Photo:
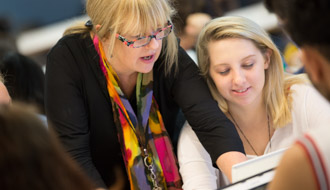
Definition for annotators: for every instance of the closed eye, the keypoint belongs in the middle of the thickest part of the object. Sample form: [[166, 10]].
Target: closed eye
[[224, 72], [248, 66]]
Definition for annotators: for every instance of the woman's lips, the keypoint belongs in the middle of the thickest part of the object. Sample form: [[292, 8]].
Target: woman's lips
[[148, 59], [241, 91]]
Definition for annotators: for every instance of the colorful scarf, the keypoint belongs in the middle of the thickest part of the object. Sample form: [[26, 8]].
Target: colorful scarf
[[146, 147]]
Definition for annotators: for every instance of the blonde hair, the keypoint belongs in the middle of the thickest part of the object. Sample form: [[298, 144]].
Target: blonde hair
[[127, 17], [2, 79], [276, 91]]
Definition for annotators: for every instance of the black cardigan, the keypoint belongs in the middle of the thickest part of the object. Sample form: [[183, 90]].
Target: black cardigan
[[79, 108]]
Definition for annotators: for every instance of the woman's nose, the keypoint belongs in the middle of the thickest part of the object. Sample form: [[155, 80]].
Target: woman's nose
[[153, 44], [239, 77]]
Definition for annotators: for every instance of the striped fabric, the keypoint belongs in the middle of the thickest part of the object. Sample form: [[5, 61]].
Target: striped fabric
[[316, 160]]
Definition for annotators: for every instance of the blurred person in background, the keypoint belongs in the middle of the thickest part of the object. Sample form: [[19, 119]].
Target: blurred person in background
[[214, 8], [7, 40], [24, 79], [306, 165], [114, 90], [31, 157], [244, 71], [193, 27], [4, 95]]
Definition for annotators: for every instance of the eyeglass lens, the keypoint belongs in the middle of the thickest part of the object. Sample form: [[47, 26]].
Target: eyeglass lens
[[144, 41]]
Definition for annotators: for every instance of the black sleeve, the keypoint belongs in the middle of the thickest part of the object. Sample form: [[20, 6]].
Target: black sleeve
[[215, 131], [65, 107]]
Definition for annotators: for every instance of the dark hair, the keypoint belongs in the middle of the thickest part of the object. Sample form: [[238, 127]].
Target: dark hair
[[306, 21], [31, 156], [7, 39], [24, 79]]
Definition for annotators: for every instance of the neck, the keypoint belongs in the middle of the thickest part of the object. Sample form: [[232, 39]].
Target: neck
[[127, 83], [253, 127], [127, 79], [249, 116]]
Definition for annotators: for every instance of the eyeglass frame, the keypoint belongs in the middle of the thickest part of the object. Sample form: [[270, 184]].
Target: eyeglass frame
[[130, 43]]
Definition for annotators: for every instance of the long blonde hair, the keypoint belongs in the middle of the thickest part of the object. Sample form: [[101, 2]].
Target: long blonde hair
[[276, 91], [128, 16]]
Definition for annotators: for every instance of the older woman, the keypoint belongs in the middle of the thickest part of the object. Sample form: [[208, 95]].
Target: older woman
[[114, 91]]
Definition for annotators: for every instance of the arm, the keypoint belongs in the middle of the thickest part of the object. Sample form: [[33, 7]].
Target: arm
[[227, 160], [65, 108], [195, 163], [215, 131], [294, 171]]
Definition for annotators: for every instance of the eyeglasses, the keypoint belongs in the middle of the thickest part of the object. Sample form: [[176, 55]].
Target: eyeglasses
[[145, 40]]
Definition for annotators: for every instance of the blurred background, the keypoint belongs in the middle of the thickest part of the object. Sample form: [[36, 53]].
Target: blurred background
[[24, 15], [33, 27]]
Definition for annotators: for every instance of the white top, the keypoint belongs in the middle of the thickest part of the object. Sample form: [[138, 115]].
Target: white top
[[309, 110], [192, 54], [316, 144]]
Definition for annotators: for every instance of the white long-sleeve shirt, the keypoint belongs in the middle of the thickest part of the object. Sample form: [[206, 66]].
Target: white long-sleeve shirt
[[309, 110]]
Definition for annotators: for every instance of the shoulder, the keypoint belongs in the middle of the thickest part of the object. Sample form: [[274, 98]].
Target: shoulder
[[67, 39], [319, 139], [71, 54], [301, 88], [289, 173], [298, 95], [309, 106], [304, 92], [315, 145], [68, 42], [321, 130]]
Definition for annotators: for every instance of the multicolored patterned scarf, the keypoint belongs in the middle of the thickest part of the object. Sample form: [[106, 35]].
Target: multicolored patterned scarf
[[146, 147]]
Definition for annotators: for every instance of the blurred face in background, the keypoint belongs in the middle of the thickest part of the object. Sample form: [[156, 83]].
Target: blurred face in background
[[237, 68], [4, 95]]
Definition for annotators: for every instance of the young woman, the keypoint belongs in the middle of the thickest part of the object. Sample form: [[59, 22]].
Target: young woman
[[114, 90], [244, 71]]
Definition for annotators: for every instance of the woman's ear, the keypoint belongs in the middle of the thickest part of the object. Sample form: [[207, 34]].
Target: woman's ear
[[97, 27], [267, 57]]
